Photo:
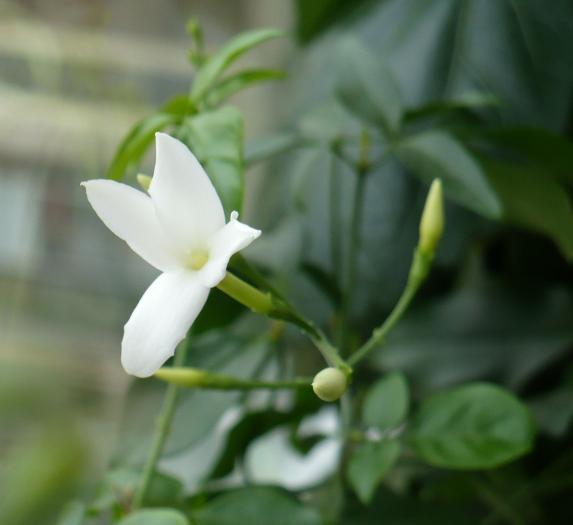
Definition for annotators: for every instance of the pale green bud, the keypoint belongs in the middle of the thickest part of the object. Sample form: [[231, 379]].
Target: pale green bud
[[432, 222], [329, 384], [144, 181]]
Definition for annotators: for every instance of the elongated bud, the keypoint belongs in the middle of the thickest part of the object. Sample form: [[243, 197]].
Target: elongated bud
[[432, 223], [329, 384], [144, 181]]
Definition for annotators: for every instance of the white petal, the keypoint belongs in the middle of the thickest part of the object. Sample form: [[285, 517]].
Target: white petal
[[160, 321], [184, 197], [230, 239], [130, 214]]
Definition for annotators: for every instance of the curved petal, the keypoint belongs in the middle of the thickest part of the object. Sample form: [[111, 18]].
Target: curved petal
[[160, 321], [230, 239], [130, 214], [184, 197]]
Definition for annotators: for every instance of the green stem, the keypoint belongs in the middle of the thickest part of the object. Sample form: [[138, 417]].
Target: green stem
[[163, 426], [247, 295], [362, 168], [266, 304], [418, 272], [195, 378], [334, 212]]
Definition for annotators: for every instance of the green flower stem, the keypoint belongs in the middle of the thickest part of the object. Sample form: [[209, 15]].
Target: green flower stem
[[277, 308], [247, 295], [163, 425], [196, 378], [362, 168], [418, 272]]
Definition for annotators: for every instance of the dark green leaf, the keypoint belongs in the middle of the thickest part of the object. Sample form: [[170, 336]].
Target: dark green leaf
[[545, 149], [155, 517], [257, 506], [467, 102], [533, 199], [231, 85], [216, 138], [136, 142], [368, 464], [324, 280], [367, 88], [386, 403], [475, 426], [553, 412], [436, 154], [210, 72]]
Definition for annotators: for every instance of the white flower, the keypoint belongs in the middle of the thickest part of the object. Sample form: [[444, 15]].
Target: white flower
[[179, 228]]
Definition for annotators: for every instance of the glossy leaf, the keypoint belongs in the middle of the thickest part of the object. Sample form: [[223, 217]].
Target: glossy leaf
[[367, 88], [136, 143], [155, 517], [233, 84], [368, 464], [386, 403], [211, 71], [436, 154], [475, 426], [216, 138], [257, 506]]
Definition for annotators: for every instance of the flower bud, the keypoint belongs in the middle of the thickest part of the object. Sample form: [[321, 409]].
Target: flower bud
[[329, 384], [144, 181], [432, 222]]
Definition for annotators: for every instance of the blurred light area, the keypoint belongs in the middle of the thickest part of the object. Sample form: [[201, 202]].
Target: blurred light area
[[74, 76]]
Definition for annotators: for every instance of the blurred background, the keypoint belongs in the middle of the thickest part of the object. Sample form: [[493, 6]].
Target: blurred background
[[75, 75]]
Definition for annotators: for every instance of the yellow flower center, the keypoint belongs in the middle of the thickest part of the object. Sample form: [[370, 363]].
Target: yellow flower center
[[197, 259]]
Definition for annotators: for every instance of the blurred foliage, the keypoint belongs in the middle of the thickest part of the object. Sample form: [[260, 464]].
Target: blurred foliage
[[438, 424]]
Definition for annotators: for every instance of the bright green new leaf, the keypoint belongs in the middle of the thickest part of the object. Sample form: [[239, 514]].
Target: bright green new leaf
[[136, 142], [368, 464], [216, 138], [367, 88], [257, 506], [386, 403], [211, 71], [155, 517], [534, 199], [233, 84], [437, 155], [475, 426]]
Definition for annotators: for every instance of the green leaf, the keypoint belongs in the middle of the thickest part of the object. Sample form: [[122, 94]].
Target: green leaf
[[466, 102], [216, 138], [386, 403], [210, 72], [533, 199], [475, 426], [136, 142], [120, 484], [256, 506], [553, 411], [367, 88], [368, 464], [436, 154], [269, 146], [155, 517], [233, 84], [72, 514]]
